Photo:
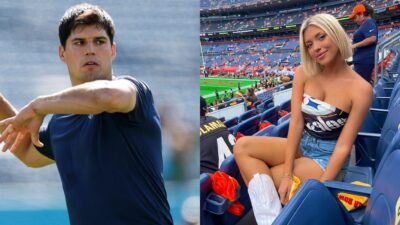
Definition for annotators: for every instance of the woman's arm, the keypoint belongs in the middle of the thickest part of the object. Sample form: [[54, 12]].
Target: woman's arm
[[361, 101], [296, 125]]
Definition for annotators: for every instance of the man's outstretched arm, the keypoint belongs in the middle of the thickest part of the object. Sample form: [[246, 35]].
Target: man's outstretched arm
[[27, 153], [88, 98]]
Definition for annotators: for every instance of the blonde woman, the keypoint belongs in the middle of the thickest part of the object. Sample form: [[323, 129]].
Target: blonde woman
[[329, 103]]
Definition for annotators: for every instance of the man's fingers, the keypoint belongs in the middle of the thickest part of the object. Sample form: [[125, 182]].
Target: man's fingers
[[35, 139], [18, 141], [7, 121], [6, 133]]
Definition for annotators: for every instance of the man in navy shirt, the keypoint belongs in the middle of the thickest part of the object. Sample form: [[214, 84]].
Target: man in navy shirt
[[105, 135], [365, 39]]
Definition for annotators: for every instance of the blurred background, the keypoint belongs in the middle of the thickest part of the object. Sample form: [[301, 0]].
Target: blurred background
[[157, 41]]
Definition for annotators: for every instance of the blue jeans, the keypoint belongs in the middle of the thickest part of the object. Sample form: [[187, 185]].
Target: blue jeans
[[320, 151]]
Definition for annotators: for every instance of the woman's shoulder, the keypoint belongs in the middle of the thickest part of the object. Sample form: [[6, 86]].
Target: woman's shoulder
[[359, 86]]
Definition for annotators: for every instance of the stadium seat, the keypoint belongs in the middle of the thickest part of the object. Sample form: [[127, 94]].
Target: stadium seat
[[249, 126], [233, 130], [285, 106], [266, 131], [205, 188], [247, 115], [229, 167], [284, 118], [271, 115], [370, 147], [316, 203], [231, 122], [264, 106], [281, 130]]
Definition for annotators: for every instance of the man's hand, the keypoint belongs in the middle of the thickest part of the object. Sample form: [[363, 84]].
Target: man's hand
[[27, 121]]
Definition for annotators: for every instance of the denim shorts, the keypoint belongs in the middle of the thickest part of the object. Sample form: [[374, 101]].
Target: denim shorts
[[320, 151]]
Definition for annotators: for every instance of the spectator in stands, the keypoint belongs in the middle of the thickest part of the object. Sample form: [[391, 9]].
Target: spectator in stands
[[105, 134], [250, 97], [365, 39], [216, 143], [328, 105]]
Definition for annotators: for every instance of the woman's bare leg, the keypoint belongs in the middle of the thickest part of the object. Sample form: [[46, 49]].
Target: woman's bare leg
[[257, 154]]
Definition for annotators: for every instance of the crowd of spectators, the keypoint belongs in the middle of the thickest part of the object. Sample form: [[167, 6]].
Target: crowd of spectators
[[250, 59], [280, 18], [215, 4]]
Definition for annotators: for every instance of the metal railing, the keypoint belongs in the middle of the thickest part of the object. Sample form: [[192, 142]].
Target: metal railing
[[380, 48]]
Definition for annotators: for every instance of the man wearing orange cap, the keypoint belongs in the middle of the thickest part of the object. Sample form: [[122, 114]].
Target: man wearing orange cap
[[365, 39]]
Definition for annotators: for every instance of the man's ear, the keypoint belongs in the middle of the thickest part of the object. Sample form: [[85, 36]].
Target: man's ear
[[113, 50], [61, 53]]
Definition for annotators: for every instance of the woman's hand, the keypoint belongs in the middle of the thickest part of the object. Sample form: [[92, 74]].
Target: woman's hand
[[284, 189]]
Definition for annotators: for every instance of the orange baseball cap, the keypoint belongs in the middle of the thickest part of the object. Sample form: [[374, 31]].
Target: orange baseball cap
[[360, 8]]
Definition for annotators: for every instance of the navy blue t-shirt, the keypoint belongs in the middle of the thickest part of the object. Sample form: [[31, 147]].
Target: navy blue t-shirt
[[111, 164], [365, 54]]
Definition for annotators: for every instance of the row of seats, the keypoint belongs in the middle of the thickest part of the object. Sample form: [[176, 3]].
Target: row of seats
[[248, 123]]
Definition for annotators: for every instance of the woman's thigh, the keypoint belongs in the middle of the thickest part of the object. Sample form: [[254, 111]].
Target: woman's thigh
[[270, 150], [304, 168]]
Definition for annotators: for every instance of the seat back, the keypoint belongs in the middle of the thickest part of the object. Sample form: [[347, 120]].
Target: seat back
[[286, 105], [230, 167], [271, 115], [231, 122], [389, 131], [381, 208], [205, 188], [312, 204], [249, 126], [367, 149], [284, 118], [281, 130], [266, 131], [247, 115]]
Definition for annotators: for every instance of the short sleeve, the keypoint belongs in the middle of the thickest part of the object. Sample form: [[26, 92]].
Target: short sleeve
[[370, 29], [144, 106], [44, 137]]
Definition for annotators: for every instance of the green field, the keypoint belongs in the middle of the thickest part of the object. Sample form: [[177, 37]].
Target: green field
[[208, 86]]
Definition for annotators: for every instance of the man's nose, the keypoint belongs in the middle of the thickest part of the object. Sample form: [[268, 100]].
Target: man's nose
[[90, 49]]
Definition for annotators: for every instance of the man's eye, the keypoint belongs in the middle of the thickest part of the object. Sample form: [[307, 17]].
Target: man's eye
[[78, 42], [99, 42]]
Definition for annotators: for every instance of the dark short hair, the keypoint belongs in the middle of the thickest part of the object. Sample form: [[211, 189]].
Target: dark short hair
[[369, 11], [203, 106], [84, 15]]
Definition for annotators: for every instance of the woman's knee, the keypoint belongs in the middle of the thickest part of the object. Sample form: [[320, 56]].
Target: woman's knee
[[240, 147]]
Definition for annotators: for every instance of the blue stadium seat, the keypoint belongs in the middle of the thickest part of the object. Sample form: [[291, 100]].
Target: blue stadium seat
[[230, 167], [233, 130], [205, 188], [370, 149], [264, 106], [266, 131], [250, 126], [284, 118], [316, 203], [247, 115], [231, 122], [271, 115], [281, 130], [286, 106]]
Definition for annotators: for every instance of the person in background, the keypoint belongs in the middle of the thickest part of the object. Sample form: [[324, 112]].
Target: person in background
[[365, 39], [216, 143]]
